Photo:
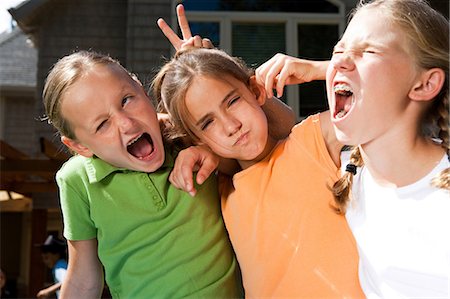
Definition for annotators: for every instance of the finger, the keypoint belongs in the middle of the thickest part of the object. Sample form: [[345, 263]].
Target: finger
[[197, 41], [206, 43], [183, 22], [269, 80], [173, 180], [205, 171], [281, 82], [170, 34], [261, 71], [263, 75], [188, 178], [259, 75], [188, 43], [274, 76]]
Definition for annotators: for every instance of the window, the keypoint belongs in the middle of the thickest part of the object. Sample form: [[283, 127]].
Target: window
[[255, 30]]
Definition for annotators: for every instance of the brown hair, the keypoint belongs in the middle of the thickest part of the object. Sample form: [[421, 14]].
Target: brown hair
[[174, 79], [428, 34]]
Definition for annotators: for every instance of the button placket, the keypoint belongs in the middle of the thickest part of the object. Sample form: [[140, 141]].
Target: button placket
[[158, 202]]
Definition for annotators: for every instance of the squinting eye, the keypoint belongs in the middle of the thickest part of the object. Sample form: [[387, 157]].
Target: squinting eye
[[337, 50], [369, 51], [233, 101], [101, 125], [205, 125]]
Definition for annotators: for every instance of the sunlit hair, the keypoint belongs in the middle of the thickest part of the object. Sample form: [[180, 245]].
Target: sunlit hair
[[427, 33], [174, 79], [61, 77]]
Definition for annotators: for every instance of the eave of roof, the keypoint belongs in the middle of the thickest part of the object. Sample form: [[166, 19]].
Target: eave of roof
[[28, 15]]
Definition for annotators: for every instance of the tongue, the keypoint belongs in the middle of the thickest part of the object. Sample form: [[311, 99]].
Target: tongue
[[141, 148]]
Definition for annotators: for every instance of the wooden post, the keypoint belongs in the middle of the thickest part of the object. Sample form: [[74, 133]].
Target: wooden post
[[38, 270]]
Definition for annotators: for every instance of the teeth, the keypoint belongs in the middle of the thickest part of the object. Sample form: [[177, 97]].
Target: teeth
[[134, 140], [343, 89], [340, 114]]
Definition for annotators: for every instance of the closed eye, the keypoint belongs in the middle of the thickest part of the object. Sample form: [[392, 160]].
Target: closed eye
[[101, 125], [205, 124], [233, 101]]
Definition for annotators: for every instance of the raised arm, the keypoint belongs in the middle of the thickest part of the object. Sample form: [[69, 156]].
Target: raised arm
[[283, 70], [280, 118], [84, 277]]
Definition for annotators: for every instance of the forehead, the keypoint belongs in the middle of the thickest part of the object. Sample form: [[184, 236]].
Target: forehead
[[93, 93], [372, 26], [97, 80], [207, 91]]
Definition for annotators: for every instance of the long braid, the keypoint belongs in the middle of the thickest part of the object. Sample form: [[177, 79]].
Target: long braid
[[342, 188], [443, 179]]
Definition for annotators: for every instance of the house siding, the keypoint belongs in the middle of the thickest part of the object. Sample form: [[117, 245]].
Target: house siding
[[126, 30]]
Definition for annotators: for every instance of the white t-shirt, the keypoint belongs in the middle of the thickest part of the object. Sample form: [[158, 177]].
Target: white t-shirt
[[403, 236]]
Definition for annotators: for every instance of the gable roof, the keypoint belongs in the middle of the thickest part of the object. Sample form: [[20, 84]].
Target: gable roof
[[18, 62]]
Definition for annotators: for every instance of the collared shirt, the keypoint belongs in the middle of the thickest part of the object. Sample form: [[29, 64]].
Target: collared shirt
[[153, 240]]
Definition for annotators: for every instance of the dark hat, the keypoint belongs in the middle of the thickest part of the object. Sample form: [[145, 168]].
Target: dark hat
[[54, 245]]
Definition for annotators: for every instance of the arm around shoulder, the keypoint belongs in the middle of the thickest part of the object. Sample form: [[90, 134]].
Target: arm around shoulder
[[280, 117], [84, 277]]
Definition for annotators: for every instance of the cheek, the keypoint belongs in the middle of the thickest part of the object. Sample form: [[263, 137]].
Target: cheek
[[212, 138], [260, 119]]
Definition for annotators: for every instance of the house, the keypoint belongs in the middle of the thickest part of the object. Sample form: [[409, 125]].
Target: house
[[126, 29]]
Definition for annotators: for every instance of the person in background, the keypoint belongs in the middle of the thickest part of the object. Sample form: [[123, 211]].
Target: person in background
[[4, 292], [54, 256]]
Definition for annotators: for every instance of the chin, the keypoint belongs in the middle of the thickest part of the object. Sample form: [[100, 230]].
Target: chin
[[343, 138]]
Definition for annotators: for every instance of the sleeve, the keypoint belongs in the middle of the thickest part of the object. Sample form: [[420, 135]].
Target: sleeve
[[75, 207], [308, 135], [60, 274]]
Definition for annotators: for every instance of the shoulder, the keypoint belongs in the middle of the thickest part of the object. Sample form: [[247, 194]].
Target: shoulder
[[74, 164], [72, 167], [308, 132]]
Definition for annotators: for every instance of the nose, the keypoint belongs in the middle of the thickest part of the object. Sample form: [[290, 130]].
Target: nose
[[231, 125], [343, 61], [124, 122]]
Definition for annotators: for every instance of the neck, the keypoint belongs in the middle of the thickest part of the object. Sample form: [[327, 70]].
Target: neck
[[401, 161]]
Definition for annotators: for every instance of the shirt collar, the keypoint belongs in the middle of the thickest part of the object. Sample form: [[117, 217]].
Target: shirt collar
[[97, 169]]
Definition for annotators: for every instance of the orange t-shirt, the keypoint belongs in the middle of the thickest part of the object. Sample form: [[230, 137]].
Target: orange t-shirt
[[288, 240]]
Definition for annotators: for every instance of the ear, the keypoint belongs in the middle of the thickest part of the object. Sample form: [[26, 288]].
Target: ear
[[77, 147], [428, 86], [258, 90]]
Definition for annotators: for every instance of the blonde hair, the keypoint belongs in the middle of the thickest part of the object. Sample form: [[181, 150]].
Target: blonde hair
[[174, 79], [61, 77], [428, 34]]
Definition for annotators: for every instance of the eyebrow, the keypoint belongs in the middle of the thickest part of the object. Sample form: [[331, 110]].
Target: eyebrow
[[227, 96]]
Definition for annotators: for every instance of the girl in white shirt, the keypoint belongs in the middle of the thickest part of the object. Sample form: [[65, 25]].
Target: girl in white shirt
[[387, 86]]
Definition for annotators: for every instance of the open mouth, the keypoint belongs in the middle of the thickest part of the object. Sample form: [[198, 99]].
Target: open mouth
[[141, 146], [344, 100]]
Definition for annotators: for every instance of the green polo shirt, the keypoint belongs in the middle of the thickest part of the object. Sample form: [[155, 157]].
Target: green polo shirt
[[154, 241]]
